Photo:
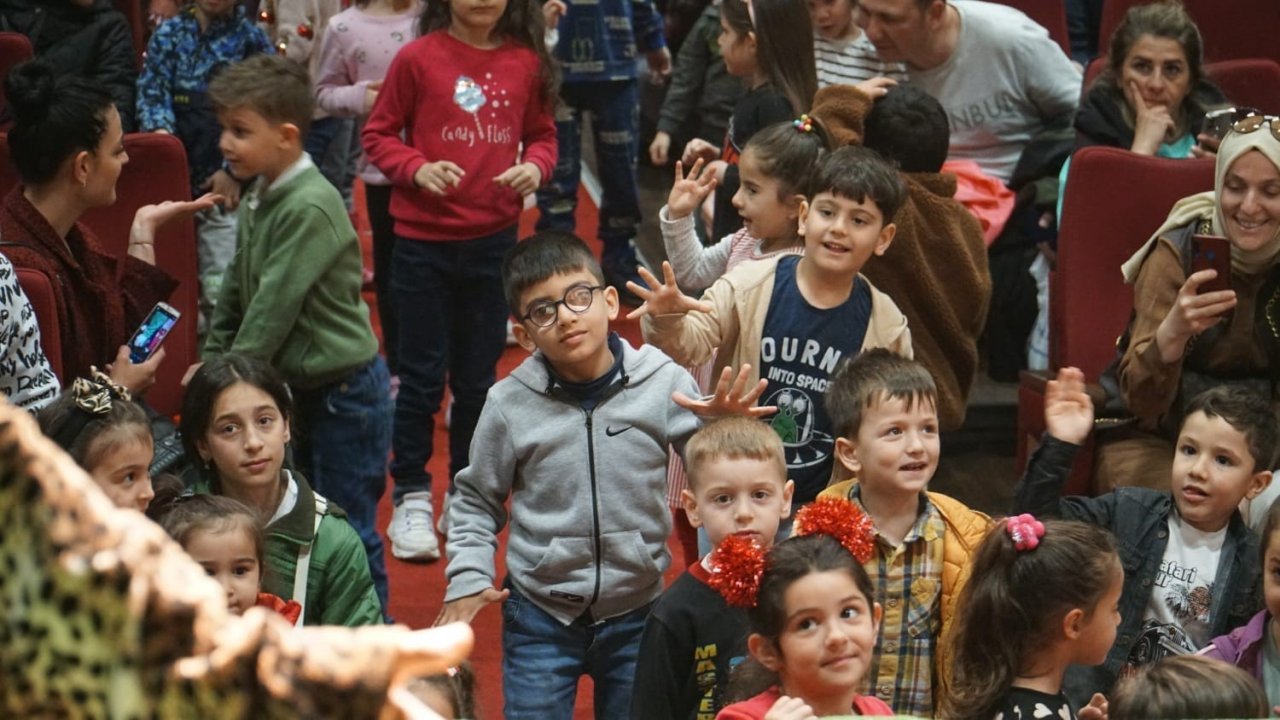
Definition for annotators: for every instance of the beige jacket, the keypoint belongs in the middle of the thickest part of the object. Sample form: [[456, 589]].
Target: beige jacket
[[739, 303]]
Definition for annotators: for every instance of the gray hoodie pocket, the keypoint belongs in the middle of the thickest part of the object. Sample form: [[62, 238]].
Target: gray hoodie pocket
[[565, 562], [628, 564]]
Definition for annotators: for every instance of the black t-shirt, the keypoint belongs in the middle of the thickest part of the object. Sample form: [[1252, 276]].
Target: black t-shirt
[[800, 348], [1023, 704], [691, 641]]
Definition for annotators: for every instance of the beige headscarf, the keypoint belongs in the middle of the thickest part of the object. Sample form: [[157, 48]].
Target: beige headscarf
[[1208, 205]]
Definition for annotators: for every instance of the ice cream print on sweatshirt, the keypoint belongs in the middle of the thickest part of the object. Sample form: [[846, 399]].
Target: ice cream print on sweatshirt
[[477, 99]]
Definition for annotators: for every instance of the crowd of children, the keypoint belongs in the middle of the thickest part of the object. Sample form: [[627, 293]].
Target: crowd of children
[[811, 255]]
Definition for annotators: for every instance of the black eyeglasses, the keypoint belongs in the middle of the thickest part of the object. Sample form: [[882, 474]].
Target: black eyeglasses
[[577, 298], [1242, 120]]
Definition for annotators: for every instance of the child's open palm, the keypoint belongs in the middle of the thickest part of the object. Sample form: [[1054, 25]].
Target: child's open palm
[[728, 399], [1068, 409], [690, 190], [665, 298]]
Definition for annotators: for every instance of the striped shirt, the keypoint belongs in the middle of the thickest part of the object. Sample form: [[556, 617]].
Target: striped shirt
[[908, 580], [849, 62]]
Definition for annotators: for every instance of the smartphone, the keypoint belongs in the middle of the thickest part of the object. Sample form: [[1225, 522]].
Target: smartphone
[[1210, 252], [152, 332], [1218, 122]]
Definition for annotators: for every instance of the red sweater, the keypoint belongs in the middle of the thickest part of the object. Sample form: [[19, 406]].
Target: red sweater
[[470, 106]]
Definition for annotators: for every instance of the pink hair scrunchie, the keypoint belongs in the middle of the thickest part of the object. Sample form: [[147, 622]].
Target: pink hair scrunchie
[[1025, 530]]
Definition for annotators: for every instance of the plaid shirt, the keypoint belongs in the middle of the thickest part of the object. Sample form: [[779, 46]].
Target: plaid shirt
[[908, 580]]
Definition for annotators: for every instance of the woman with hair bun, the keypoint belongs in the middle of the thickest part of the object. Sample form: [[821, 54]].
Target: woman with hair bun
[[67, 145]]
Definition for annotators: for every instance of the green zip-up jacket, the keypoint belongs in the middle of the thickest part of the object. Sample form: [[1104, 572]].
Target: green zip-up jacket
[[292, 293], [339, 588]]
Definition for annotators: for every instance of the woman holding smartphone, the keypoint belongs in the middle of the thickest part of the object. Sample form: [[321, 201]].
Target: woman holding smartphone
[[1185, 337], [67, 146]]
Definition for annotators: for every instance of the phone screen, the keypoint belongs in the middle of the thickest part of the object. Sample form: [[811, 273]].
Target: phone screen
[[1211, 252], [152, 332]]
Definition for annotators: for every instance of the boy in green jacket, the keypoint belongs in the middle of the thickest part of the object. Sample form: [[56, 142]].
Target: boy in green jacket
[[292, 293]]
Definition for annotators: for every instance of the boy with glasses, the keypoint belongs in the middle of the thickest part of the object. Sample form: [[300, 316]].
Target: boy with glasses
[[575, 440]]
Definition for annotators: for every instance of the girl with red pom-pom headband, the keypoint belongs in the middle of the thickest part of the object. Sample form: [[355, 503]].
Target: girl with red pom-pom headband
[[813, 616]]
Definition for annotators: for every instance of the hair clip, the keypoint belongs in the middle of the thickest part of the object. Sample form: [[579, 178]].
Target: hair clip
[[1025, 531], [843, 520], [452, 671], [804, 124]]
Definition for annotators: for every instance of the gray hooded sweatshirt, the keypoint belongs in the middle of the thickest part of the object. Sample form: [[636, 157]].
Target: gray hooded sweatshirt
[[587, 489]]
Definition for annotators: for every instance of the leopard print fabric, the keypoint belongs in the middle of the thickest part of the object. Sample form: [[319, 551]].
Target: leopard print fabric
[[103, 616]]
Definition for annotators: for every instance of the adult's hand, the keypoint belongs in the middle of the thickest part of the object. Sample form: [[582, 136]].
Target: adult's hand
[[1152, 123], [136, 378], [150, 218], [1192, 313]]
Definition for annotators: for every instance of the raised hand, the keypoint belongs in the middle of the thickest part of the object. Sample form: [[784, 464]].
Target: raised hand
[[464, 609], [523, 178], [1152, 123], [689, 191], [728, 399], [1068, 409], [665, 297], [1192, 313], [438, 177], [136, 378]]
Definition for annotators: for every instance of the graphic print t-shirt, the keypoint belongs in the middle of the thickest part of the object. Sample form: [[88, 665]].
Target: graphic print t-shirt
[[799, 349], [1177, 616]]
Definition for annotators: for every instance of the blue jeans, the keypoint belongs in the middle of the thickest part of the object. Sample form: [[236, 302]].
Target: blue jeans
[[453, 324], [542, 661], [328, 142], [341, 435], [614, 107]]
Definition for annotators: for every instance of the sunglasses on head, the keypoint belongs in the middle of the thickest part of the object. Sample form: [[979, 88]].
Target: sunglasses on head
[[1241, 120]]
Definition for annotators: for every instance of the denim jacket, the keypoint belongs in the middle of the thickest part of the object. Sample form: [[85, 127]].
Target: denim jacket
[[1138, 518]]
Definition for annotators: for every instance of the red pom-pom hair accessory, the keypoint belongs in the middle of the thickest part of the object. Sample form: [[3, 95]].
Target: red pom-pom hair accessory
[[1025, 531], [843, 520], [736, 567]]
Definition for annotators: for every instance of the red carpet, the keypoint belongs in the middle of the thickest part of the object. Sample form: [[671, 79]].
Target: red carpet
[[418, 589]]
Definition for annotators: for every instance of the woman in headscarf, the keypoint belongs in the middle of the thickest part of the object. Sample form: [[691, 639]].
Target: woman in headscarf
[[1184, 339]]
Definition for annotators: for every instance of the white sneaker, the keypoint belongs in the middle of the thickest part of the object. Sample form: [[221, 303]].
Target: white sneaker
[[442, 524], [410, 531]]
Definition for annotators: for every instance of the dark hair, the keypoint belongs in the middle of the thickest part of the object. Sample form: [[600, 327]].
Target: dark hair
[[55, 116], [909, 127], [458, 685], [276, 88], [193, 513], [784, 45], [1025, 594], [1185, 687], [1167, 20], [787, 562], [1270, 524], [212, 379], [871, 377], [1245, 412], [734, 437], [547, 253], [521, 21], [96, 435], [858, 173], [788, 154]]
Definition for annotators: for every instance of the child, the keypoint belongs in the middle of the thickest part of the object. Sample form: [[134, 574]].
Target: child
[[1252, 647], [107, 434], [937, 273], [599, 43], [225, 537], [797, 316], [1192, 562], [1188, 687], [450, 695], [1053, 590], [768, 44], [576, 441], [452, 116], [842, 53], [737, 486], [354, 56], [235, 419], [884, 417], [812, 628], [292, 293], [702, 93], [182, 58]]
